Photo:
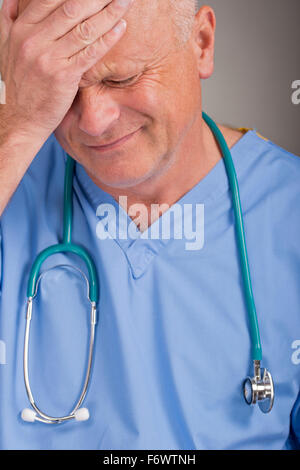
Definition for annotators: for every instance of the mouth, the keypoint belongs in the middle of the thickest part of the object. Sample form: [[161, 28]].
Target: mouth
[[116, 144]]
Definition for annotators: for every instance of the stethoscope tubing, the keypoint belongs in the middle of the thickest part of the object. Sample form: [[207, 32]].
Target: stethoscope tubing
[[241, 239]]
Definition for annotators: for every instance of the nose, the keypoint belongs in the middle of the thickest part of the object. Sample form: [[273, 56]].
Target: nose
[[97, 112]]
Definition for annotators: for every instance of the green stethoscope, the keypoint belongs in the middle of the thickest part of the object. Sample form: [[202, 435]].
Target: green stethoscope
[[258, 389]]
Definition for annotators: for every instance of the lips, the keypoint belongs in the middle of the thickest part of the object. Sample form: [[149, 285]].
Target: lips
[[114, 144]]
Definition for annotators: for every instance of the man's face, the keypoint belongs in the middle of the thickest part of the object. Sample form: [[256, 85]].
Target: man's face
[[144, 85]]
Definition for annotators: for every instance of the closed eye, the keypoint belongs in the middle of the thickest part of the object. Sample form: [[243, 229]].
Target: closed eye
[[128, 81]]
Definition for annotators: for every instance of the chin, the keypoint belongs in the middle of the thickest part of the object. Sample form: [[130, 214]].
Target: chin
[[120, 180], [121, 171]]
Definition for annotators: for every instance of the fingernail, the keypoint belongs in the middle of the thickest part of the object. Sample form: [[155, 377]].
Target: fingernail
[[124, 3]]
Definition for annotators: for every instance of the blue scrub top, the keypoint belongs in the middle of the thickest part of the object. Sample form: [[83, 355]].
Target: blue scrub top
[[172, 341]]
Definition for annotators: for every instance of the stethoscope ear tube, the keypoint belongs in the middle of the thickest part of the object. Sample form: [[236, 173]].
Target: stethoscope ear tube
[[64, 248], [77, 413]]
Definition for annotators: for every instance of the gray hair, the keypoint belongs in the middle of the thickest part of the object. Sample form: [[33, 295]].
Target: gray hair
[[183, 15]]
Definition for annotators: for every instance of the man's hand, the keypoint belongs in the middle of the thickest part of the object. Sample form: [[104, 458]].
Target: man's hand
[[44, 53]]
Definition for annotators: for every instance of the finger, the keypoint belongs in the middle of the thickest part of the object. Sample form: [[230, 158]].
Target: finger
[[89, 31], [71, 14], [37, 10], [8, 14], [10, 9], [86, 58]]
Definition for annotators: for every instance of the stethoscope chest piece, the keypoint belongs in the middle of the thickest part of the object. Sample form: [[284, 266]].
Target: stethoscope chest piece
[[259, 389]]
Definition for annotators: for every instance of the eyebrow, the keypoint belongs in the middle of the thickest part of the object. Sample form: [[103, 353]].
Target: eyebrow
[[116, 75]]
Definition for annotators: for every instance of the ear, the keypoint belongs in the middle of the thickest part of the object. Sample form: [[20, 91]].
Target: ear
[[203, 40]]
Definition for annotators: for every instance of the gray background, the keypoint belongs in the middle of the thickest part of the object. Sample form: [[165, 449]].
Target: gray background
[[257, 59]]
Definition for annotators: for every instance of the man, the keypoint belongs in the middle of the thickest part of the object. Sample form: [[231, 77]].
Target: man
[[172, 343]]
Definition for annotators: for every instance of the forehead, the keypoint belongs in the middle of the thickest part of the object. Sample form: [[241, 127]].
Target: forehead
[[148, 38], [129, 55]]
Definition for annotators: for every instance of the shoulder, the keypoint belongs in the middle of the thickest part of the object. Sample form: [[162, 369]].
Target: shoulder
[[263, 167], [277, 164], [269, 182], [234, 135], [263, 159]]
